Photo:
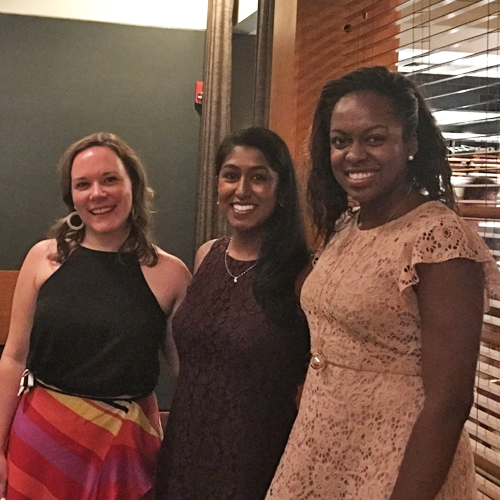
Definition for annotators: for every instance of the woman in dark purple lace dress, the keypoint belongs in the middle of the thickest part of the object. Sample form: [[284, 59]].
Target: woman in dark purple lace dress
[[241, 337]]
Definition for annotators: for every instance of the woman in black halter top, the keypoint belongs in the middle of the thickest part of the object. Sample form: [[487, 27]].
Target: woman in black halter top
[[241, 337], [90, 313]]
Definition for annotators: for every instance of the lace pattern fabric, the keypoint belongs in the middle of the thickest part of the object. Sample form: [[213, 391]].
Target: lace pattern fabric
[[357, 413], [235, 401]]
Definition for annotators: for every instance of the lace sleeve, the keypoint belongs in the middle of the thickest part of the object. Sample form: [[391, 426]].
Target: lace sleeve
[[444, 238]]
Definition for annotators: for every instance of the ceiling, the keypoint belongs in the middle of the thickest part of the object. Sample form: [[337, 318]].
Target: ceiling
[[183, 14]]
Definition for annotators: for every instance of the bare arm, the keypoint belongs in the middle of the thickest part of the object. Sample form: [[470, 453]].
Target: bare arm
[[168, 280], [450, 300], [170, 348], [13, 360]]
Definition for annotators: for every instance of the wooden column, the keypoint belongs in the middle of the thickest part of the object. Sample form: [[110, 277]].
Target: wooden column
[[283, 100]]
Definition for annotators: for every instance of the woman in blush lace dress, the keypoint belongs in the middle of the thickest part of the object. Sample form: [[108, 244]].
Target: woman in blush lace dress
[[394, 303]]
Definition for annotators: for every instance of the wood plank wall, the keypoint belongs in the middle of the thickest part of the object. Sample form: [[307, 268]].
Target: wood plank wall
[[312, 45], [8, 280], [283, 98]]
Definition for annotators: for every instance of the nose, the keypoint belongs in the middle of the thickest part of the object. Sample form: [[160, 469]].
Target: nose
[[355, 152], [96, 190], [242, 188]]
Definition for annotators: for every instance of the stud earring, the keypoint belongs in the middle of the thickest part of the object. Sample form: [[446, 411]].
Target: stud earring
[[73, 226], [411, 158]]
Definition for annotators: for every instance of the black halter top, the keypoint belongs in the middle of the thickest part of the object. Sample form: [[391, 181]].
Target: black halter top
[[97, 327]]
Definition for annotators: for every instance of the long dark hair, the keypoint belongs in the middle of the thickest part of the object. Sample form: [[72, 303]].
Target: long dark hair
[[139, 242], [429, 171], [284, 253]]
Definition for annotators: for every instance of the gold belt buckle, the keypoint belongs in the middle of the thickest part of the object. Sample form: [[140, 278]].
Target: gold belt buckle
[[318, 361]]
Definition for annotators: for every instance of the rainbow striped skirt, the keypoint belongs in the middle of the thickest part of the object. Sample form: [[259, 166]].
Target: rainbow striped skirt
[[65, 447]]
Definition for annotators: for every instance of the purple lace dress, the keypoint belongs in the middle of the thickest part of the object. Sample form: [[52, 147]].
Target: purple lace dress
[[235, 399]]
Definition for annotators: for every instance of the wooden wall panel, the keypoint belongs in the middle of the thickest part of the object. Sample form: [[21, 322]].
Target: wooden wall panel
[[283, 99], [317, 46], [8, 280], [326, 48]]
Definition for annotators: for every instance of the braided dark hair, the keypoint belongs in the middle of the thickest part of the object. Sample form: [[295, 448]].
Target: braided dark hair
[[429, 171]]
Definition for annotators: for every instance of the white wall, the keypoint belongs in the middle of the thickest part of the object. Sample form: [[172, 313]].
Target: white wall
[[246, 8], [184, 14]]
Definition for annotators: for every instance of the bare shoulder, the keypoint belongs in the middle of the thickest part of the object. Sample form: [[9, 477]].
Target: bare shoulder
[[37, 267], [202, 253], [42, 250], [168, 280], [38, 264], [172, 265]]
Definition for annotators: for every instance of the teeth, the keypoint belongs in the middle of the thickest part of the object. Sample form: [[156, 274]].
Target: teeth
[[102, 210], [360, 175], [243, 208]]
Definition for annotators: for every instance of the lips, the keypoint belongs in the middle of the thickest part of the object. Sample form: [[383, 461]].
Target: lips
[[359, 176], [101, 210], [242, 209]]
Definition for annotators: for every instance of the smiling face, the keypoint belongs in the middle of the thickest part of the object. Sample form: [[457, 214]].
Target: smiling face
[[368, 153], [247, 189], [102, 194]]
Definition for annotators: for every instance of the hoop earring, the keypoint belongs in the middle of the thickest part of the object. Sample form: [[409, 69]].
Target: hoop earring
[[133, 214], [71, 225]]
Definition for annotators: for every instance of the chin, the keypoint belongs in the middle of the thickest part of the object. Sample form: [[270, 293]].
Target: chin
[[256, 229], [362, 196], [109, 230], [240, 227]]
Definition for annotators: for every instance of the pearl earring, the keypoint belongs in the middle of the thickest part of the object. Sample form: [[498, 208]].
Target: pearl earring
[[411, 158]]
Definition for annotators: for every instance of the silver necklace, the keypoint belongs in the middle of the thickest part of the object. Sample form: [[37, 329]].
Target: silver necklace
[[396, 209], [235, 278]]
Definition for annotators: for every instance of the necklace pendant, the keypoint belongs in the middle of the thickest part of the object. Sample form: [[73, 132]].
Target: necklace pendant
[[235, 279]]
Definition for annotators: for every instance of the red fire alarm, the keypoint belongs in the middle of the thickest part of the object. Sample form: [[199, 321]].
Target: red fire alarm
[[198, 94]]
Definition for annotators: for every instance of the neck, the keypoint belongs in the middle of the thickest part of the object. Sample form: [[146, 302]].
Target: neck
[[245, 246], [104, 242], [380, 213]]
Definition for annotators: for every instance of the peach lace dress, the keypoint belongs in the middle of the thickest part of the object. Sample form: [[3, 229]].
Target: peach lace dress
[[363, 390]]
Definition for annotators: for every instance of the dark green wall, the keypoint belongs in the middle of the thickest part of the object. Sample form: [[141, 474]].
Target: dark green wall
[[63, 79]]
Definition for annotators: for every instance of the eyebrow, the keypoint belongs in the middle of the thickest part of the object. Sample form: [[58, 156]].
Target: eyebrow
[[115, 172], [370, 129], [255, 167]]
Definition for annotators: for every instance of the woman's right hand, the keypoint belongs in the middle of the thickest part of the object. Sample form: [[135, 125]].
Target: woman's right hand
[[3, 476]]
